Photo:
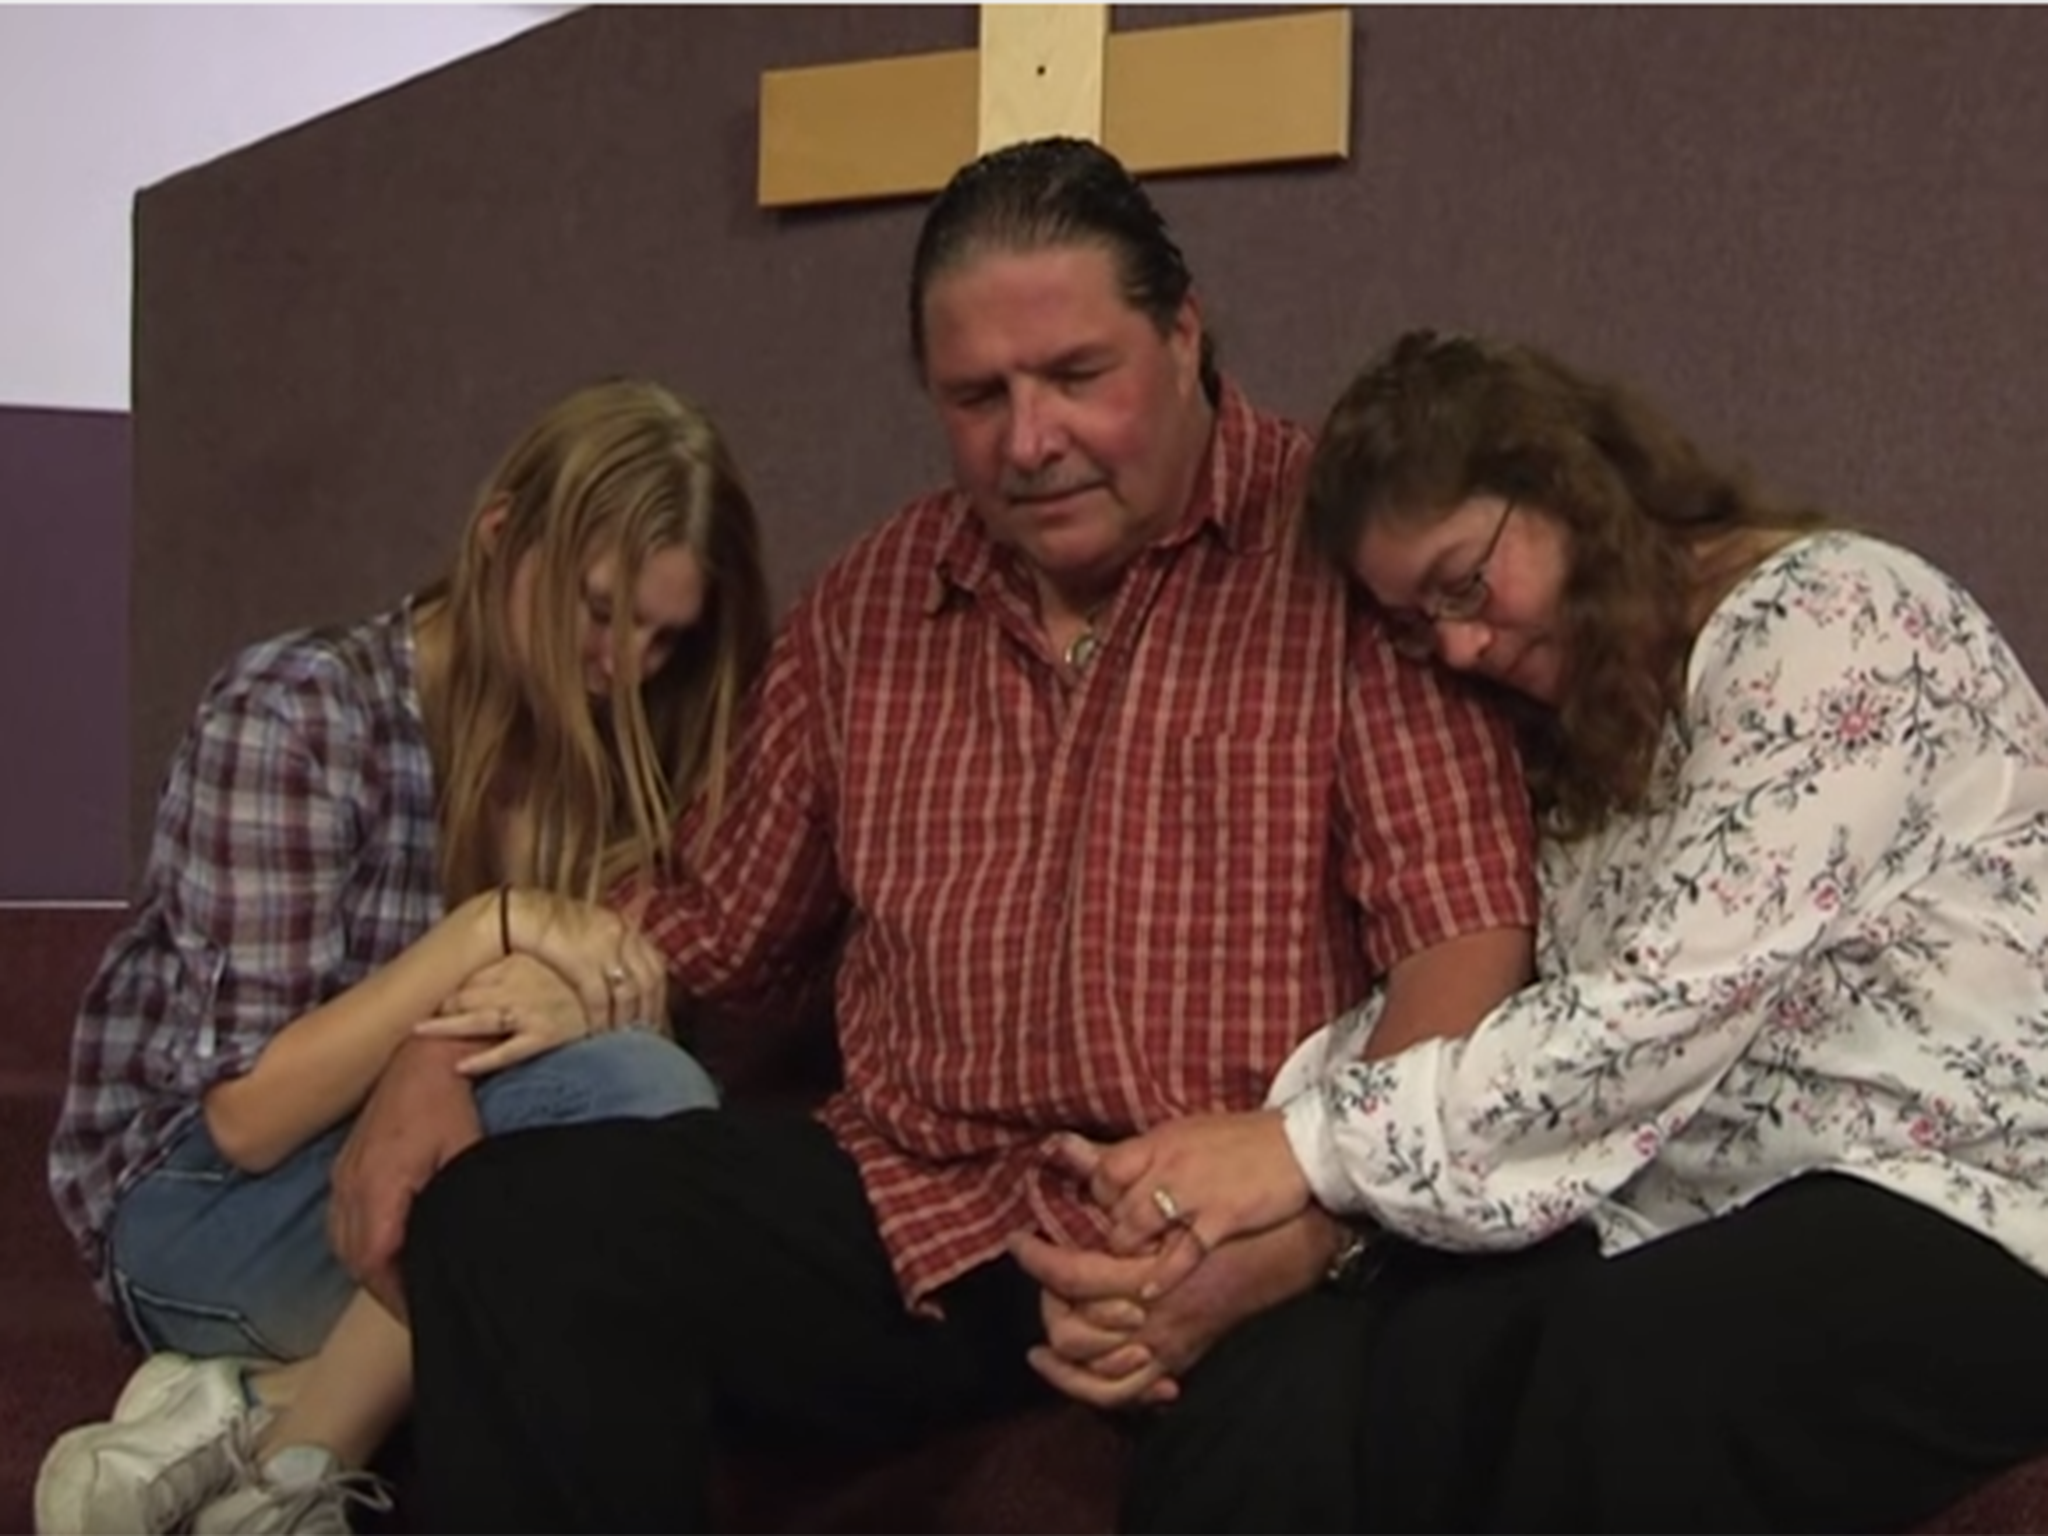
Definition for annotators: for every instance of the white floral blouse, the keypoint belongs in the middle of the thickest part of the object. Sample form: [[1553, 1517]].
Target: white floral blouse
[[1827, 949]]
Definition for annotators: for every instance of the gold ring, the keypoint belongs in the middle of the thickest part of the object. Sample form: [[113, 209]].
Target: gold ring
[[1168, 1207]]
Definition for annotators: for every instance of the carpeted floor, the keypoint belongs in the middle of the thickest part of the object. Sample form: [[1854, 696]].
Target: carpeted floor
[[60, 1363]]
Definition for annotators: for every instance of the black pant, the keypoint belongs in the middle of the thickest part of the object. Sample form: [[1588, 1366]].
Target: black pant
[[592, 1304], [1831, 1358]]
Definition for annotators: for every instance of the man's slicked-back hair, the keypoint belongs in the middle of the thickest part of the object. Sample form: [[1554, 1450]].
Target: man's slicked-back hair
[[1047, 193]]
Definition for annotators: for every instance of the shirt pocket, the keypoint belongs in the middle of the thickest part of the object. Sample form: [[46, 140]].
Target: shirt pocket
[[1221, 920], [1244, 836]]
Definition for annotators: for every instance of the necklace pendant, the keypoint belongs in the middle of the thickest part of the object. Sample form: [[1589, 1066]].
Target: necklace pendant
[[1081, 650]]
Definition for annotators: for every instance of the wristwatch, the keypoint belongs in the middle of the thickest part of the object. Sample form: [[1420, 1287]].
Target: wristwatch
[[1354, 1263]]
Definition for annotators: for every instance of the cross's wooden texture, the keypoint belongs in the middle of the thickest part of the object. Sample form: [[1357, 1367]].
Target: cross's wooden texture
[[1041, 72], [1267, 90]]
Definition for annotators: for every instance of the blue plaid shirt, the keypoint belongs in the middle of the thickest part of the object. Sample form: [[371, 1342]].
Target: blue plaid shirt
[[294, 853]]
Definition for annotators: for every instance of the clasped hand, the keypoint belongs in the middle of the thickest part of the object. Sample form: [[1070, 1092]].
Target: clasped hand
[[575, 970], [1187, 1187], [521, 1003], [1234, 1233]]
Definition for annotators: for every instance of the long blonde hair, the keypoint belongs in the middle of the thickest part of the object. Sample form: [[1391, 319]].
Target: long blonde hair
[[620, 468]]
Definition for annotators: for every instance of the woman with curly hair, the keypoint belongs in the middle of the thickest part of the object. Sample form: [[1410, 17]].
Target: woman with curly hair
[[1735, 1219]]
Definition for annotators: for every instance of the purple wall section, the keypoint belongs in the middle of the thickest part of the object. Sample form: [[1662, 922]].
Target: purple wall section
[[1813, 233], [64, 534]]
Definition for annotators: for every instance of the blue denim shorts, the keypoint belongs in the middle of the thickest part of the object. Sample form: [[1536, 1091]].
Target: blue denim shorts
[[209, 1260]]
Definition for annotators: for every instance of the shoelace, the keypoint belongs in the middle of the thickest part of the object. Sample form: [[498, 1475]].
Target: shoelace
[[286, 1509], [202, 1473]]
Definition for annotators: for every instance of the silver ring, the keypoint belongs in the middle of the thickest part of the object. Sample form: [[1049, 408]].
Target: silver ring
[[1167, 1206], [615, 976]]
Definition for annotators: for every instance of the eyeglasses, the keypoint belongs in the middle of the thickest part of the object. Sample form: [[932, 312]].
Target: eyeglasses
[[1412, 631]]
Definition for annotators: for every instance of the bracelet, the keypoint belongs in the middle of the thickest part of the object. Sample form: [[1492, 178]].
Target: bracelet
[[505, 918]]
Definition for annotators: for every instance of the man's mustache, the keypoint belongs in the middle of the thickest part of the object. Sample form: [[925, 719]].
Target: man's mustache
[[1047, 487]]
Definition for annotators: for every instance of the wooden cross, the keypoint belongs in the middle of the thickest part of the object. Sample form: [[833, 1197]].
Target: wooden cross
[[1271, 89]]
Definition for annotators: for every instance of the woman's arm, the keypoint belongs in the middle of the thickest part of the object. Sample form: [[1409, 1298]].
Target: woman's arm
[[319, 1067], [292, 850], [1833, 708], [322, 1065], [293, 853], [1833, 704]]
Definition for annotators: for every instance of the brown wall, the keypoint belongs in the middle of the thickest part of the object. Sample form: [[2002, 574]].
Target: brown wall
[[1818, 233]]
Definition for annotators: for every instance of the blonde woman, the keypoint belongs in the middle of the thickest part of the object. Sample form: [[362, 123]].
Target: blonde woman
[[399, 827]]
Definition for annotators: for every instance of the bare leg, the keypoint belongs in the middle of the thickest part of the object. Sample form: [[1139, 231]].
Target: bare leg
[[348, 1397], [275, 1386]]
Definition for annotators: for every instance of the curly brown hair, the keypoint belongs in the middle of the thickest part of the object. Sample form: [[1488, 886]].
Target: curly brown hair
[[1439, 418]]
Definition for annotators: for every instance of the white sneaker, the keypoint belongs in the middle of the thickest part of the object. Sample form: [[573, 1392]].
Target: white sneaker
[[162, 1375], [299, 1490], [96, 1479]]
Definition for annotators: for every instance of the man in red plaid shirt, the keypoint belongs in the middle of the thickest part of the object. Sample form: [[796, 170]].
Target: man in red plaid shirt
[[1105, 792]]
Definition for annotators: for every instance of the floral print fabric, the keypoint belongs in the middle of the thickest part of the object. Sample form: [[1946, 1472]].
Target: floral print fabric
[[1824, 948]]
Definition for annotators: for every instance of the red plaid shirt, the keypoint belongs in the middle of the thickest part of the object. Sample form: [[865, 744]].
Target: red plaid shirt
[[1099, 903]]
